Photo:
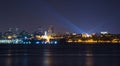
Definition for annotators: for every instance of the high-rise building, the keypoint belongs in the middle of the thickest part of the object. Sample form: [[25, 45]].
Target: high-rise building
[[16, 30], [40, 30], [10, 29], [50, 30]]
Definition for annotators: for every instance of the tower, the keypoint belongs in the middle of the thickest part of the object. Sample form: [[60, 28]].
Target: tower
[[17, 30]]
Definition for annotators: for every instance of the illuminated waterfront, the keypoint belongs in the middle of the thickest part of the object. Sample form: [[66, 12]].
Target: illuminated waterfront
[[50, 37]]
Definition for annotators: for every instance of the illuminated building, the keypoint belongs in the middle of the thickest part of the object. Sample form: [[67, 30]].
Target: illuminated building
[[85, 35], [74, 33], [46, 36], [104, 32], [8, 34]]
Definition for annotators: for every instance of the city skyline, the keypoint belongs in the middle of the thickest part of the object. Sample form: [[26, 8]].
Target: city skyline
[[66, 16], [49, 29], [49, 37]]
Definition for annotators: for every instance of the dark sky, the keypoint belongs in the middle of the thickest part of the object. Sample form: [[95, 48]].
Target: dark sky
[[65, 15]]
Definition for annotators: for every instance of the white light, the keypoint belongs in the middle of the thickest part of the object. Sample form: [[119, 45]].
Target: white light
[[45, 42], [37, 42], [55, 42], [25, 37], [104, 32]]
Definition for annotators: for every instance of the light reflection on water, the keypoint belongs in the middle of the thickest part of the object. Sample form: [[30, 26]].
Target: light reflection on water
[[89, 57], [9, 59], [47, 60], [57, 57]]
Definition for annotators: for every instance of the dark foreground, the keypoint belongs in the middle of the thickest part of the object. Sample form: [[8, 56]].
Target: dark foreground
[[60, 55]]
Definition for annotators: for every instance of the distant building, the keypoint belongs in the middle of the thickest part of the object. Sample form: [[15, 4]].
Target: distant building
[[104, 32], [17, 31], [85, 35], [50, 30], [8, 34], [67, 33], [10, 29], [40, 30], [74, 33]]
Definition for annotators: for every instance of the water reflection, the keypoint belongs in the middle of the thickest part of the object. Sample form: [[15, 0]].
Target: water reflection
[[89, 57], [25, 59], [83, 56], [9, 59], [47, 59]]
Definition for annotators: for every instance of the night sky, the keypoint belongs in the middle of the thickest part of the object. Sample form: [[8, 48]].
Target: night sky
[[65, 15]]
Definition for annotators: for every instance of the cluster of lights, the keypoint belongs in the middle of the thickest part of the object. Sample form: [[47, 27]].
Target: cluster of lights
[[26, 40], [16, 41], [43, 42]]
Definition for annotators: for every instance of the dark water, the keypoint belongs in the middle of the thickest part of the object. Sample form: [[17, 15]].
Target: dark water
[[57, 55]]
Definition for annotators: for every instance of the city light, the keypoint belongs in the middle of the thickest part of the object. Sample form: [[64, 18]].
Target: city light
[[49, 37], [9, 37], [46, 36]]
